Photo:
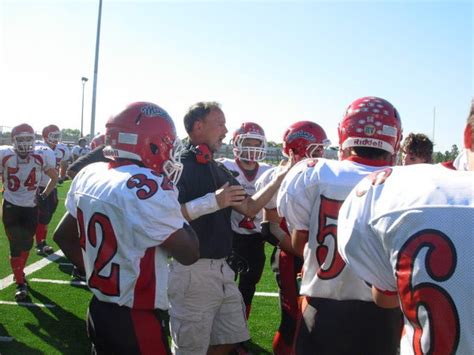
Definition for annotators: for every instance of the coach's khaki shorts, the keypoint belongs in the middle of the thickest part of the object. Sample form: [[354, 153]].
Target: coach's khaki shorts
[[206, 307]]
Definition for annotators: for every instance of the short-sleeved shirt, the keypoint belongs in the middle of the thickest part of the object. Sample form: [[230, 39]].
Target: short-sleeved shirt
[[410, 230], [213, 230], [21, 177], [61, 152], [240, 223], [309, 198], [125, 213]]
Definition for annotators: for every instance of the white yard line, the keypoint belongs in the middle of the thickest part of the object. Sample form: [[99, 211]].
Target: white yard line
[[267, 294], [61, 282], [28, 304], [7, 281]]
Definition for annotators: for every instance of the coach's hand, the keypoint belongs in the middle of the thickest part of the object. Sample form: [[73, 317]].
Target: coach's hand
[[230, 195]]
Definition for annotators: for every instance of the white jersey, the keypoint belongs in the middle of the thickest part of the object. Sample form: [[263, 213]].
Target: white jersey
[[240, 223], [265, 179], [309, 199], [124, 214], [410, 230], [61, 152], [21, 177], [78, 151]]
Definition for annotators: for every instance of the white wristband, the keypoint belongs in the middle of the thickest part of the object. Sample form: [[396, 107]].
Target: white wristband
[[277, 231], [202, 205]]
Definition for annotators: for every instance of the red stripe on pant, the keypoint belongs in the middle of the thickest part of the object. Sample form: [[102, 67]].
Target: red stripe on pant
[[41, 232], [148, 333]]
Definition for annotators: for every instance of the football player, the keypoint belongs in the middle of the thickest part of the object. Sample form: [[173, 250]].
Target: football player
[[47, 207], [249, 148], [22, 167], [80, 149], [414, 245], [303, 139], [93, 156], [129, 221], [338, 315]]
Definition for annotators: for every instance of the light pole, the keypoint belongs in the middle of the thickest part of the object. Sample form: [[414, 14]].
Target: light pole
[[84, 80], [96, 69]]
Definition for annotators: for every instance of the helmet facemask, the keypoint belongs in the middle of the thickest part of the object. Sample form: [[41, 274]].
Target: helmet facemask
[[53, 137], [24, 143], [173, 167], [249, 152], [316, 150]]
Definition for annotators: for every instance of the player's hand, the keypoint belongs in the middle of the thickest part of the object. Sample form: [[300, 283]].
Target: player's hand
[[230, 195]]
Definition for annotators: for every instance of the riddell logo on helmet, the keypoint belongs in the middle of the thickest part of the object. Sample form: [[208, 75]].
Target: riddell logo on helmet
[[111, 152], [365, 142]]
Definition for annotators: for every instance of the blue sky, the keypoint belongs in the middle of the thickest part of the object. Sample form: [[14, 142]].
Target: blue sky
[[270, 62]]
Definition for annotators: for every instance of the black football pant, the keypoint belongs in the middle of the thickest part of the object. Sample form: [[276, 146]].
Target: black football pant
[[20, 225], [252, 248], [115, 329], [48, 206], [331, 327]]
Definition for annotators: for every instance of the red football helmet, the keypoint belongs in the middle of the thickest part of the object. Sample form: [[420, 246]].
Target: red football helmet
[[23, 138], [52, 134], [243, 151], [371, 122], [145, 132], [97, 140], [306, 139]]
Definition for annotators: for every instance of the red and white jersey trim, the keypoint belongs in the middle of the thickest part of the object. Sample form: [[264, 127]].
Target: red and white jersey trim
[[240, 223], [61, 153], [409, 230], [131, 210], [309, 199], [21, 177]]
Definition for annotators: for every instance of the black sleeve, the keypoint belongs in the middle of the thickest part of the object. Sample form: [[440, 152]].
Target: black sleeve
[[225, 175], [93, 156]]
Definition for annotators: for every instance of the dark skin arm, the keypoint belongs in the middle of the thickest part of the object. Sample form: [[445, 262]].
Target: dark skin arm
[[183, 245], [66, 236], [272, 216]]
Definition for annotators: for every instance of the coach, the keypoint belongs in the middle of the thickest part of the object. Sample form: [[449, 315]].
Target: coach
[[207, 315]]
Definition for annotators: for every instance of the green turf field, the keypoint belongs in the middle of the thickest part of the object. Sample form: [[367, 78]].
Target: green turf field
[[55, 324]]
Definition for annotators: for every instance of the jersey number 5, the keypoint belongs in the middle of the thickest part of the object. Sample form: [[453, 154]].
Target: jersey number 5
[[327, 221], [109, 285], [440, 263]]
